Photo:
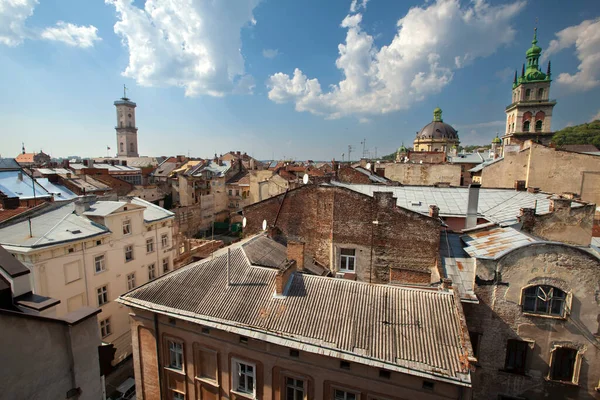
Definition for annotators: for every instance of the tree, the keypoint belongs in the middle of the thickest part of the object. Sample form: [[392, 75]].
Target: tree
[[588, 133]]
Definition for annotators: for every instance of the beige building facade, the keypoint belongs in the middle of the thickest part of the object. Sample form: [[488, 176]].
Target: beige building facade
[[117, 246]]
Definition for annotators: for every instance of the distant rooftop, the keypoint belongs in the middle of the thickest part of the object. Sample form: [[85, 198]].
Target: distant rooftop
[[16, 183]]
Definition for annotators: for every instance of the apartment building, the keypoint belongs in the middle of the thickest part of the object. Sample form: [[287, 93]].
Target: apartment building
[[249, 324], [88, 252]]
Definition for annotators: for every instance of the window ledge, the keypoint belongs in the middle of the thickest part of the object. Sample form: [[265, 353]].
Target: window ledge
[[244, 395], [567, 383], [100, 272], [177, 371], [208, 381], [557, 317]]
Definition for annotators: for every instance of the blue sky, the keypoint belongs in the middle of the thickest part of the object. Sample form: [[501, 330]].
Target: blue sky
[[218, 76]]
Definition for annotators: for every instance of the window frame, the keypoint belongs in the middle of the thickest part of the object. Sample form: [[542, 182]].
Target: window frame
[[566, 301], [105, 329], [151, 268], [357, 394], [235, 377], [164, 240], [345, 261], [102, 295], [179, 365], [576, 364], [126, 223], [129, 246], [199, 351], [149, 245], [103, 263], [296, 378], [522, 370], [131, 281], [168, 264]]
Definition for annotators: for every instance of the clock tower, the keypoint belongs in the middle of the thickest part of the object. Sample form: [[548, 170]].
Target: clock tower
[[127, 145], [529, 115]]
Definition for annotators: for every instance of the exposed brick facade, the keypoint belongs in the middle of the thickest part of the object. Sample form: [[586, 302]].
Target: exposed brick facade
[[327, 219], [347, 174]]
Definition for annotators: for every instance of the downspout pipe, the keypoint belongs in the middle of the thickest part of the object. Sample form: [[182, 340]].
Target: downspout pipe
[[158, 357]]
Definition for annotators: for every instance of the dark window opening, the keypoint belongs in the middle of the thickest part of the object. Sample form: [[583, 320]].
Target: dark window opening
[[475, 338], [563, 364], [538, 126], [344, 365], [516, 355], [544, 300], [384, 374], [294, 353], [428, 385]]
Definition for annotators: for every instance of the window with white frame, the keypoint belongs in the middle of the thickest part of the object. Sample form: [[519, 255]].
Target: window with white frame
[[128, 253], [105, 329], [126, 227], [99, 263], [545, 300], [342, 394], [131, 281], [165, 264], [347, 260], [244, 377], [294, 388], [151, 271], [102, 295], [164, 240], [150, 245], [175, 354]]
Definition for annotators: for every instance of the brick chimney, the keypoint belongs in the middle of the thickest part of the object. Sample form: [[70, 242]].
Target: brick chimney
[[527, 219], [559, 204], [283, 277], [82, 204], [295, 252], [434, 211], [385, 199]]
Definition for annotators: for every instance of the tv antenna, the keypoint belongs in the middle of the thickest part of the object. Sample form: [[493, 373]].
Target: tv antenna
[[350, 148], [364, 144]]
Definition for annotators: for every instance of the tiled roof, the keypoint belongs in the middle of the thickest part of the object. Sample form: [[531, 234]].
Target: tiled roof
[[501, 206], [6, 214], [26, 158], [494, 243], [9, 164], [240, 178], [414, 331]]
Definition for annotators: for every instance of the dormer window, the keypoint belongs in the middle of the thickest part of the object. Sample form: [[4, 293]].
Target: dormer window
[[544, 300]]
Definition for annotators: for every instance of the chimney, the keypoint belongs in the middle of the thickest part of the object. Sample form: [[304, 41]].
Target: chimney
[[520, 186], [363, 162], [385, 199], [124, 163], [527, 219], [86, 163], [446, 284], [252, 164], [295, 252], [20, 175], [283, 277], [238, 153], [82, 204], [559, 204], [472, 205], [9, 203], [434, 211]]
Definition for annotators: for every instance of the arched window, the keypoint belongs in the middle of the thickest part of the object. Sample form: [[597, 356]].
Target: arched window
[[121, 146], [540, 93], [538, 125], [527, 94], [526, 126], [544, 299]]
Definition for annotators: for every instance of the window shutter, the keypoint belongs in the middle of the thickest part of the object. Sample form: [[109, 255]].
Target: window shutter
[[568, 303], [577, 367]]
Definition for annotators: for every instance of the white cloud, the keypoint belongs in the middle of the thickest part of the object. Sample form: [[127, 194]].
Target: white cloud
[[270, 53], [355, 5], [193, 44], [431, 42], [73, 35], [13, 14], [596, 117], [586, 39]]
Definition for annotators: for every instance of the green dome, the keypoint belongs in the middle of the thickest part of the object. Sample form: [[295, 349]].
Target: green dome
[[534, 50], [496, 140], [402, 149]]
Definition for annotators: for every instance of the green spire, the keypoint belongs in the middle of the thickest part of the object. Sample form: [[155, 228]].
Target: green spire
[[437, 115]]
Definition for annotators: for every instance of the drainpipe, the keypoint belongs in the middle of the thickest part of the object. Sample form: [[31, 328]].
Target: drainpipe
[[158, 357], [87, 293], [158, 265]]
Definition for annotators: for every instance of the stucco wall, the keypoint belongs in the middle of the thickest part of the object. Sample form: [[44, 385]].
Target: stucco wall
[[423, 174], [36, 362], [499, 317], [504, 173]]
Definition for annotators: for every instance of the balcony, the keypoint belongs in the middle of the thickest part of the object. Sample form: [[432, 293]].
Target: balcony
[[532, 103]]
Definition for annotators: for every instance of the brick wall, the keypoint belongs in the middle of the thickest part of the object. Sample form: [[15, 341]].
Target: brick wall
[[348, 174], [324, 218]]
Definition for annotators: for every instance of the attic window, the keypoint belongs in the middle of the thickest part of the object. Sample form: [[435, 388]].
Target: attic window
[[71, 250], [76, 232], [415, 203]]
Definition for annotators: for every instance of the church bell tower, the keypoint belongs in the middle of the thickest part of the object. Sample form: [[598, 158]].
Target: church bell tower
[[529, 115], [127, 144]]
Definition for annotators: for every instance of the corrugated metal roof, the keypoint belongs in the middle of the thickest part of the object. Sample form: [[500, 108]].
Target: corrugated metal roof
[[494, 243], [458, 266], [265, 252], [9, 163], [415, 331], [470, 158], [19, 184], [55, 226], [50, 171], [152, 213], [501, 206]]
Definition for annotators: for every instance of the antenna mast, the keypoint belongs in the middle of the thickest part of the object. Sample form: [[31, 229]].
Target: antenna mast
[[364, 144], [350, 148]]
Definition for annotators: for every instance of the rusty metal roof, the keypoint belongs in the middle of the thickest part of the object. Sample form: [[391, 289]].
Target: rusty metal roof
[[494, 243], [413, 331]]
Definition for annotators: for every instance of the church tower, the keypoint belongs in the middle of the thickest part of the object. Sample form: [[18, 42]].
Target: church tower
[[530, 113], [127, 144]]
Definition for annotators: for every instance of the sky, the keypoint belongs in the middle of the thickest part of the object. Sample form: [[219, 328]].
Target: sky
[[280, 78]]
